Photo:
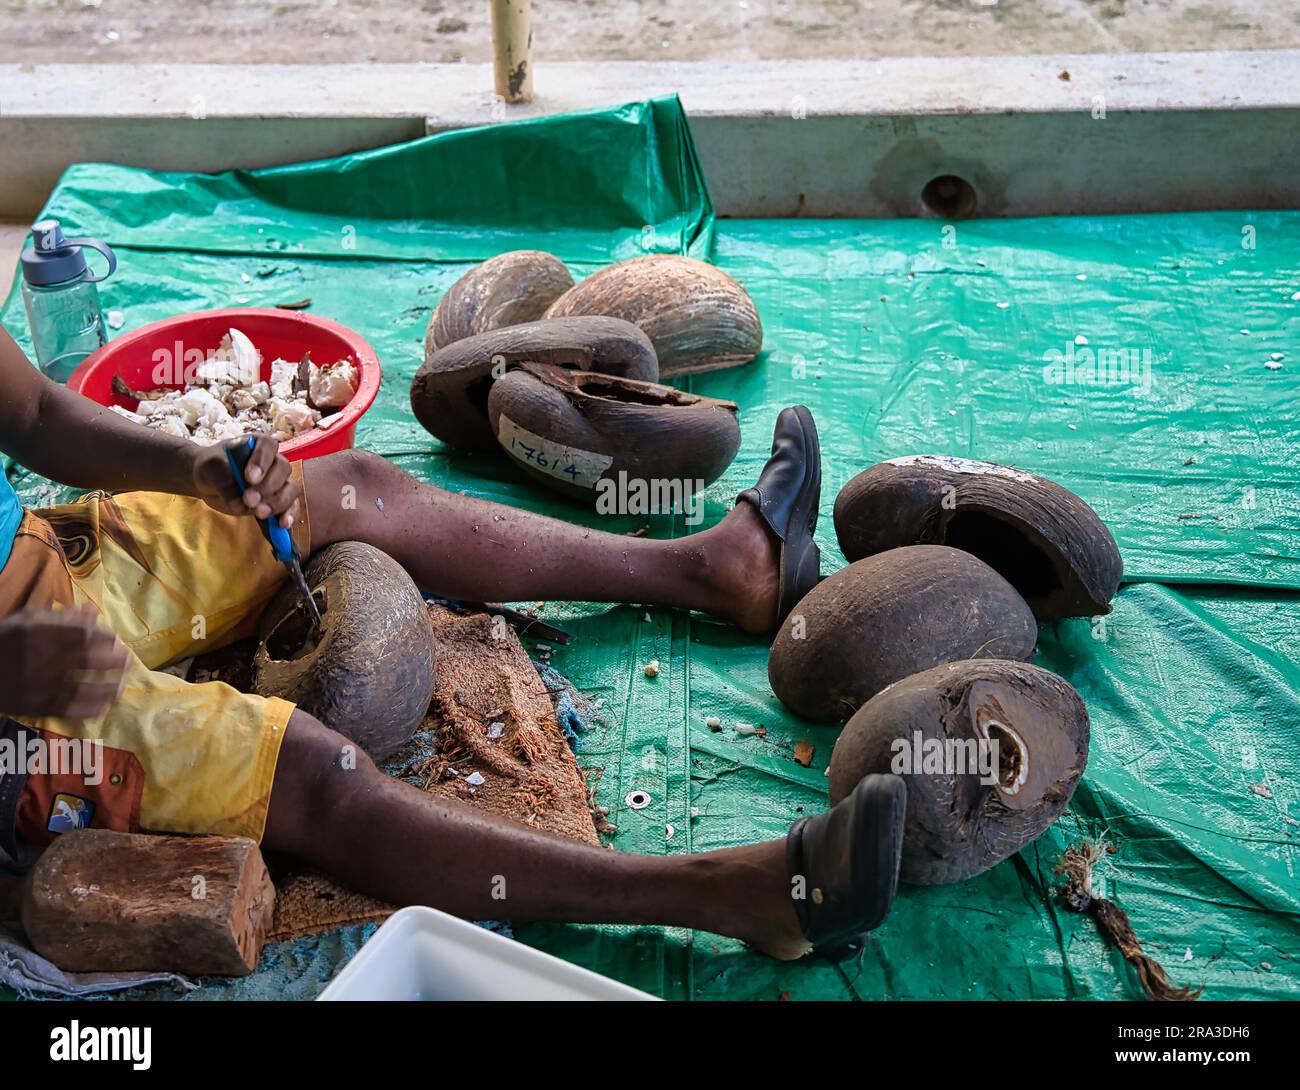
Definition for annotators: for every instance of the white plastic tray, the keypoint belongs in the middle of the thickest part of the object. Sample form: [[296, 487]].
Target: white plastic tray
[[421, 953]]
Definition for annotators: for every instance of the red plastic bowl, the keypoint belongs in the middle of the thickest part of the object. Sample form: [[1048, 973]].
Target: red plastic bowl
[[147, 358]]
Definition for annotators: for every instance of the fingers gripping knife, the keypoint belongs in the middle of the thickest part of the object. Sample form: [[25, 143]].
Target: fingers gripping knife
[[282, 546]]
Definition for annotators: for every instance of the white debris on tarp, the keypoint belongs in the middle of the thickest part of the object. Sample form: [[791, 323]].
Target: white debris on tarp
[[228, 398], [652, 668]]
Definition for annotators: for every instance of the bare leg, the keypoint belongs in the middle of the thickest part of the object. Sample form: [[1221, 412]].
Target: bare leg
[[388, 839], [480, 551]]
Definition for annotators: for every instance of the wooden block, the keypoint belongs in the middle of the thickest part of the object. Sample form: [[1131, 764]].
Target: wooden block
[[101, 901]]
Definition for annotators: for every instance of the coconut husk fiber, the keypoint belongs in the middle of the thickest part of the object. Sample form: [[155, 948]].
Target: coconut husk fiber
[[484, 676], [1076, 866]]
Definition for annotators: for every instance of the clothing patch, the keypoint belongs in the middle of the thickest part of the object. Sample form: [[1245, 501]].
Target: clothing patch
[[69, 812], [58, 802], [76, 527]]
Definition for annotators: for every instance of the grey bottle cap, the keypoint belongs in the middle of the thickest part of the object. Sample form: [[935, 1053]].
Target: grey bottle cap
[[53, 259]]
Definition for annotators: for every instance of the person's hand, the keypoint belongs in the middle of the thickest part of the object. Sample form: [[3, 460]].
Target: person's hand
[[59, 663], [270, 491]]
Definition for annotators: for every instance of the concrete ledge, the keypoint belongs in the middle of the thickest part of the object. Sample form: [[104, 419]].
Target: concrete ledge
[[1027, 135]]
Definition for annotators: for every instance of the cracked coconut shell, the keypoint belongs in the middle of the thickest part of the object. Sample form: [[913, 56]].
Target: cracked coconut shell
[[571, 429], [966, 813], [369, 674], [1044, 539], [449, 393]]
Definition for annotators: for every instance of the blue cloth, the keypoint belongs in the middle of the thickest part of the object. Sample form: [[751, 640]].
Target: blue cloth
[[11, 514]]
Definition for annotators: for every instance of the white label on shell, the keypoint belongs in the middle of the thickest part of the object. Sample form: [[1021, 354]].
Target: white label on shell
[[580, 467], [962, 465]]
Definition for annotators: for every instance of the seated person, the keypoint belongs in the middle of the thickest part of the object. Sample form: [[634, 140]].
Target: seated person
[[97, 594]]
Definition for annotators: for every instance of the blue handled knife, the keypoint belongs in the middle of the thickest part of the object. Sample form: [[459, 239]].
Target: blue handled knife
[[282, 546]]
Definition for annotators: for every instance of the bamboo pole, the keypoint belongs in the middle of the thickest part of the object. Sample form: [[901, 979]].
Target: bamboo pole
[[512, 49]]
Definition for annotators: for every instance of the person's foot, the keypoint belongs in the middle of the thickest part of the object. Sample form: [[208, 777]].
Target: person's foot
[[831, 881], [787, 496], [846, 864], [745, 565], [764, 557], [759, 910]]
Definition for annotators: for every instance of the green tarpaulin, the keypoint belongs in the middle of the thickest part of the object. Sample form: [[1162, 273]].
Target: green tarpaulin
[[979, 339]]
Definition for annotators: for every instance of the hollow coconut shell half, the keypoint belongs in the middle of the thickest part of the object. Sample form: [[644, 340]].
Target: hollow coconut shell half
[[992, 752], [697, 317], [449, 393], [888, 616], [1043, 538], [369, 675], [506, 290], [572, 429]]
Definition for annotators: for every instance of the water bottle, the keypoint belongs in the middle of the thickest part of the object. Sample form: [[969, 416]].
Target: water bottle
[[61, 298]]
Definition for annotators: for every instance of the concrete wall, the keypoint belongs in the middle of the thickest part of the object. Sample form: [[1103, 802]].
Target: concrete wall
[[1028, 135]]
